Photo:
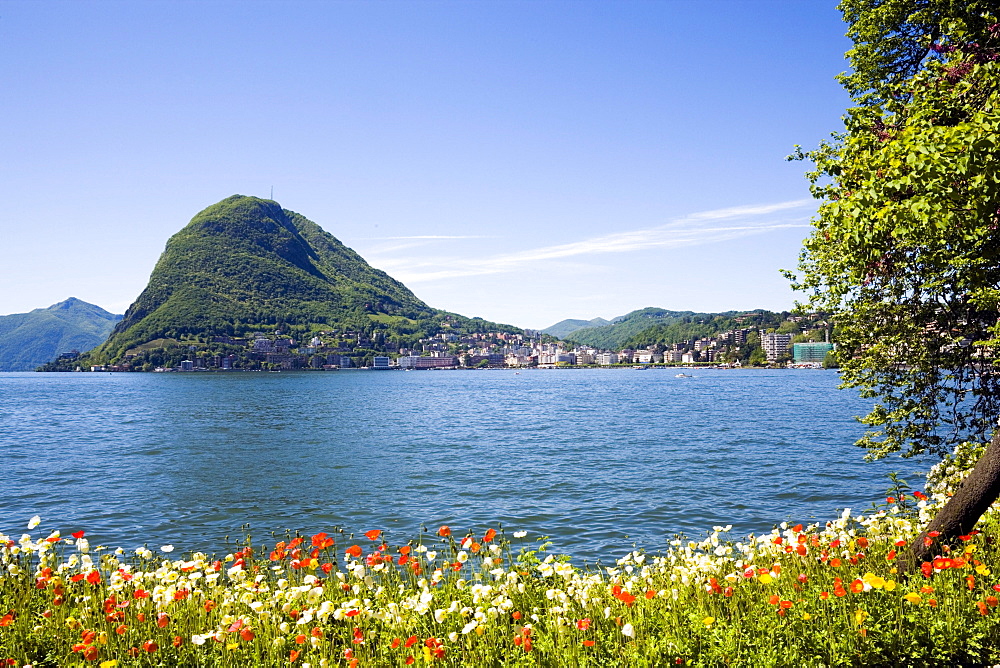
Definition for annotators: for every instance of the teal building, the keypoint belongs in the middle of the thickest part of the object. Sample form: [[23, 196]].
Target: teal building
[[810, 352]]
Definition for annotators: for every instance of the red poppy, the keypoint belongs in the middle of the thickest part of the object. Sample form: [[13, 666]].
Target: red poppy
[[920, 495], [90, 654], [293, 656], [411, 641], [583, 624], [626, 598], [857, 586], [300, 639], [773, 599], [247, 635], [587, 643], [396, 642], [489, 535], [797, 528], [373, 534], [150, 646], [78, 534], [162, 620], [444, 531], [354, 551], [94, 577], [359, 637], [927, 568], [177, 641]]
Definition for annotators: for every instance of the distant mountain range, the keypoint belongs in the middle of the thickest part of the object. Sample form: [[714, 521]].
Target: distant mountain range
[[28, 340], [650, 326], [564, 328], [246, 265]]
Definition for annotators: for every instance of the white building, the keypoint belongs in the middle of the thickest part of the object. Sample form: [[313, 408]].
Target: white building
[[607, 359], [775, 345]]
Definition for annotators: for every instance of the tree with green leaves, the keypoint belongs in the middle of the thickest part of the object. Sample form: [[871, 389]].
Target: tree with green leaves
[[905, 250]]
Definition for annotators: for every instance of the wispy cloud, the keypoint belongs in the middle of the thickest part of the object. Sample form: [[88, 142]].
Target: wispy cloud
[[432, 236], [696, 229]]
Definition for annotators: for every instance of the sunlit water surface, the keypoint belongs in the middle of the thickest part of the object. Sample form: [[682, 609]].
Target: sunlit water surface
[[597, 459]]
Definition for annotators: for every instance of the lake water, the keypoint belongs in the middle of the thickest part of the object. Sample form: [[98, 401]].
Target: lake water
[[597, 459]]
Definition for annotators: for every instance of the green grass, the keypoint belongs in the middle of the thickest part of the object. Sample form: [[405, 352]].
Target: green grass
[[818, 595]]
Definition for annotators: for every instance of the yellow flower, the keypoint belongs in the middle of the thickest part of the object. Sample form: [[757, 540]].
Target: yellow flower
[[860, 616], [890, 585], [913, 598], [806, 616], [708, 621], [982, 570], [109, 664], [765, 578], [872, 580]]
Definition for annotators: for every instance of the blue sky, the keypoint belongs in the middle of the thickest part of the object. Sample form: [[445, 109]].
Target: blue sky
[[520, 161]]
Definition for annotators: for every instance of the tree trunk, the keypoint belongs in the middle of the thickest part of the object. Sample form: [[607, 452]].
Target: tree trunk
[[959, 515]]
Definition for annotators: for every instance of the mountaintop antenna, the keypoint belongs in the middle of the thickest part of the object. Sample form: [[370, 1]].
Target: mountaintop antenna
[[272, 192]]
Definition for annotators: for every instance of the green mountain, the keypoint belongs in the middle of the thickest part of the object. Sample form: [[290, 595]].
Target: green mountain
[[650, 326], [245, 265], [28, 340], [564, 328]]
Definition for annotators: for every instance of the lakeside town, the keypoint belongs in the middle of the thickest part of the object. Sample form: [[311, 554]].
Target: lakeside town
[[531, 349]]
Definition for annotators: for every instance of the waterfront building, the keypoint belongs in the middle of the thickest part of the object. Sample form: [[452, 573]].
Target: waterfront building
[[607, 359], [775, 345], [810, 352], [420, 362]]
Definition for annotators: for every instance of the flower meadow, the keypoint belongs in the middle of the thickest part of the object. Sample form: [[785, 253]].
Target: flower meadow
[[823, 594]]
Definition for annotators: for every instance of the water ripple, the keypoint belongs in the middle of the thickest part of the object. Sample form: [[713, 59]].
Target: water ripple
[[600, 460]]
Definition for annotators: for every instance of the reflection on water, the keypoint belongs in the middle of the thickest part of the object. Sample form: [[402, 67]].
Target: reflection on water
[[597, 459]]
